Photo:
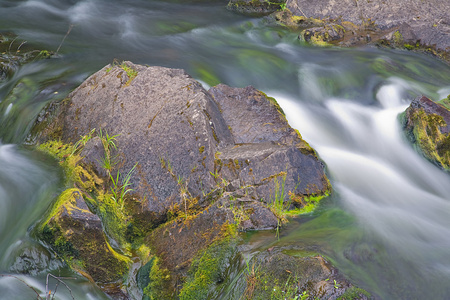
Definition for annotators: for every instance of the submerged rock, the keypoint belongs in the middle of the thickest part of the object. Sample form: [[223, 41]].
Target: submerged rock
[[285, 273], [15, 52], [427, 126]]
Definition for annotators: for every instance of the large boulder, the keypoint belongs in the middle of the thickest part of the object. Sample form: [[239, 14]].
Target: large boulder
[[200, 165], [163, 120], [427, 126], [186, 141]]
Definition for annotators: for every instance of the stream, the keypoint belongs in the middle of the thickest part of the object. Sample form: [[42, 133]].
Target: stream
[[386, 226]]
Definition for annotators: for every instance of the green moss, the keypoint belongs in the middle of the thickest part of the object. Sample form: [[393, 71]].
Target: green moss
[[262, 284], [201, 149], [75, 250], [354, 293], [309, 203], [113, 218], [445, 102], [87, 251], [64, 199], [132, 73], [398, 37], [62, 152], [428, 138], [208, 269], [158, 281], [117, 224]]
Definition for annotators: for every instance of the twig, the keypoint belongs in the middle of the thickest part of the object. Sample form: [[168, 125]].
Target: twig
[[18, 48], [21, 280], [10, 45], [47, 293], [68, 31]]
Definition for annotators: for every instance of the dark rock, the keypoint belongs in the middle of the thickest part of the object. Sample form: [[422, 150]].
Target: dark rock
[[269, 153], [260, 217], [285, 272], [168, 125], [34, 259], [252, 116], [427, 125], [177, 242]]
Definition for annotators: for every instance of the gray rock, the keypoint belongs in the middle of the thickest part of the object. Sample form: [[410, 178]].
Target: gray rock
[[429, 21], [165, 121], [254, 7], [268, 152], [182, 137]]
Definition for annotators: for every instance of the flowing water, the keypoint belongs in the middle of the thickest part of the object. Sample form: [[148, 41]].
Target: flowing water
[[387, 227]]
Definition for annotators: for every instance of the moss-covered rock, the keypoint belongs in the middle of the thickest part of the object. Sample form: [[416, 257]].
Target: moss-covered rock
[[77, 236], [172, 172], [209, 270], [427, 126], [179, 241], [281, 273]]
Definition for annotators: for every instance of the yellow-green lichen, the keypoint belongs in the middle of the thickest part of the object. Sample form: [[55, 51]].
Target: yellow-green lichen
[[88, 252], [159, 278], [354, 293], [131, 73], [308, 203], [429, 139], [207, 270]]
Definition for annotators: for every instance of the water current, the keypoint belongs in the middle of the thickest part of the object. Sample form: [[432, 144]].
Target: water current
[[387, 226]]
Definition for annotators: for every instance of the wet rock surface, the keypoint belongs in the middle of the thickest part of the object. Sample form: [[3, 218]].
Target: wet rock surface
[[427, 21], [202, 165], [186, 140], [77, 234], [288, 272], [413, 25], [255, 7], [427, 126]]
